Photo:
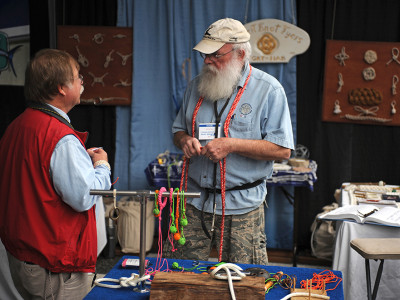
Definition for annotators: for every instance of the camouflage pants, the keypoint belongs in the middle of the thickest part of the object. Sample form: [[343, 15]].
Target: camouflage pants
[[244, 238]]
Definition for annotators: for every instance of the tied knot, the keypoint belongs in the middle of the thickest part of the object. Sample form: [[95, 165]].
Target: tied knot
[[122, 282], [366, 111]]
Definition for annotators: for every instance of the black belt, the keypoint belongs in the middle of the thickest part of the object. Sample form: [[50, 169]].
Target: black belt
[[218, 191], [236, 188]]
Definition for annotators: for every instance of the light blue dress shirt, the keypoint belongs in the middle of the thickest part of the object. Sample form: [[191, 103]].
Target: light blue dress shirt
[[72, 172], [262, 113]]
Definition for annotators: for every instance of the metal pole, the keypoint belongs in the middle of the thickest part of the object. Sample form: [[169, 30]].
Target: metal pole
[[144, 196], [110, 193], [142, 254]]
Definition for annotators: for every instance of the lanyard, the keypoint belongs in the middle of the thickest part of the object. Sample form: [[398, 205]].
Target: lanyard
[[218, 115]]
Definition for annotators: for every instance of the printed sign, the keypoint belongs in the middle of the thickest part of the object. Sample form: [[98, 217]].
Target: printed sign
[[276, 41]]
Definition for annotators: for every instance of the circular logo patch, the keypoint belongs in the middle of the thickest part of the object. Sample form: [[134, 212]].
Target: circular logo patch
[[245, 109]]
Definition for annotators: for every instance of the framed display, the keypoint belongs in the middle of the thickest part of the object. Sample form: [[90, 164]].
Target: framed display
[[361, 83], [105, 58]]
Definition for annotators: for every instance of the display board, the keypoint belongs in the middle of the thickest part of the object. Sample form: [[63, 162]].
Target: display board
[[361, 82], [105, 58]]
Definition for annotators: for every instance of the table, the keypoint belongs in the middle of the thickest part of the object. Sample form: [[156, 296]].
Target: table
[[352, 265], [282, 178], [118, 271], [166, 171]]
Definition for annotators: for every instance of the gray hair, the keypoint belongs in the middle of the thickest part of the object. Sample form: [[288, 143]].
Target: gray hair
[[246, 47]]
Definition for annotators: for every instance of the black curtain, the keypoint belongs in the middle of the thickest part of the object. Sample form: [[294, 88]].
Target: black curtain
[[344, 152], [99, 121]]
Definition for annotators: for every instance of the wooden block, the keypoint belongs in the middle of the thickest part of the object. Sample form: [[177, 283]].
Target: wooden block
[[318, 292], [180, 285]]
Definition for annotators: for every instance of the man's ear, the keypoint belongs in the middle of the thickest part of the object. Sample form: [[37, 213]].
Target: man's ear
[[60, 90]]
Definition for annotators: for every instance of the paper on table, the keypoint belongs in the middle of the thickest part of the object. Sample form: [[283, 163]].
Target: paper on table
[[386, 215], [366, 214]]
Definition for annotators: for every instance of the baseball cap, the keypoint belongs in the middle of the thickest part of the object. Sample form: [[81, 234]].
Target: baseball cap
[[221, 32]]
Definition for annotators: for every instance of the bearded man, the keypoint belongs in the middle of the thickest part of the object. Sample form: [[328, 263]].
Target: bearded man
[[233, 123]]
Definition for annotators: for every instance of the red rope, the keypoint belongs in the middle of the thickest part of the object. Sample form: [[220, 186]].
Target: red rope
[[320, 280], [222, 164], [161, 206]]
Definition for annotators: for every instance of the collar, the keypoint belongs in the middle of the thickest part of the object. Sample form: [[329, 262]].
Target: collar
[[61, 112], [245, 73]]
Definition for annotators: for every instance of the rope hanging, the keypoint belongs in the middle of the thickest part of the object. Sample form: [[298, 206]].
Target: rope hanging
[[222, 164]]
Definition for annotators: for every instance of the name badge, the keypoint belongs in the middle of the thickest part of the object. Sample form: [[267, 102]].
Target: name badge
[[207, 131]]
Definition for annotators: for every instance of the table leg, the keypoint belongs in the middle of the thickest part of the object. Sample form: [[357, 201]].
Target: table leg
[[292, 201], [295, 220], [142, 255]]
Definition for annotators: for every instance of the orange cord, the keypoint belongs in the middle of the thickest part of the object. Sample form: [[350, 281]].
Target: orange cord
[[321, 279]]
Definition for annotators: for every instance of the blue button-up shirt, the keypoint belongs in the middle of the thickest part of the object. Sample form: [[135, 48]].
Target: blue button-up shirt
[[72, 172], [261, 114]]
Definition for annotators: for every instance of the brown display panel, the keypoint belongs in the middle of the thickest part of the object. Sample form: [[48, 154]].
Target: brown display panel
[[105, 58], [372, 101]]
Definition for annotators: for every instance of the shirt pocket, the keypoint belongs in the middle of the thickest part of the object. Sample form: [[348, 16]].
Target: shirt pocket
[[243, 128]]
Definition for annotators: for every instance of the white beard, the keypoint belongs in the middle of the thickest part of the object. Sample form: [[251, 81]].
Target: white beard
[[217, 84]]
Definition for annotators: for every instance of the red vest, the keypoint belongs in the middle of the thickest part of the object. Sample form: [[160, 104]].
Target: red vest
[[35, 224]]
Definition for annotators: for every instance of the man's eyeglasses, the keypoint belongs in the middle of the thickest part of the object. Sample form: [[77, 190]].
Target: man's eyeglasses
[[214, 55], [79, 77]]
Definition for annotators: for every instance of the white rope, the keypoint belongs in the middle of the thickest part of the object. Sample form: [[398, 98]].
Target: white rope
[[228, 267], [365, 118], [304, 294], [123, 281]]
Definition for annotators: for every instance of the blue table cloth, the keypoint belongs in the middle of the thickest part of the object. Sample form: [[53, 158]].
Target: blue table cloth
[[166, 171], [295, 178], [275, 293]]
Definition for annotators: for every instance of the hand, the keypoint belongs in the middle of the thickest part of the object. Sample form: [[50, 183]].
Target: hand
[[189, 145], [217, 149], [97, 154]]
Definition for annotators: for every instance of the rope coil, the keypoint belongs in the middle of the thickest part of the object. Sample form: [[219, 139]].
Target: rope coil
[[228, 267], [133, 281]]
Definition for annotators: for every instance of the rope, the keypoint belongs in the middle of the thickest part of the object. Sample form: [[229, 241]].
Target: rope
[[134, 280], [228, 267], [185, 166], [222, 165], [366, 118], [319, 281], [161, 206], [305, 295]]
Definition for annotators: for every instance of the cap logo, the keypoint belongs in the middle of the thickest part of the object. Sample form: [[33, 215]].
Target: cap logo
[[207, 34], [208, 31]]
